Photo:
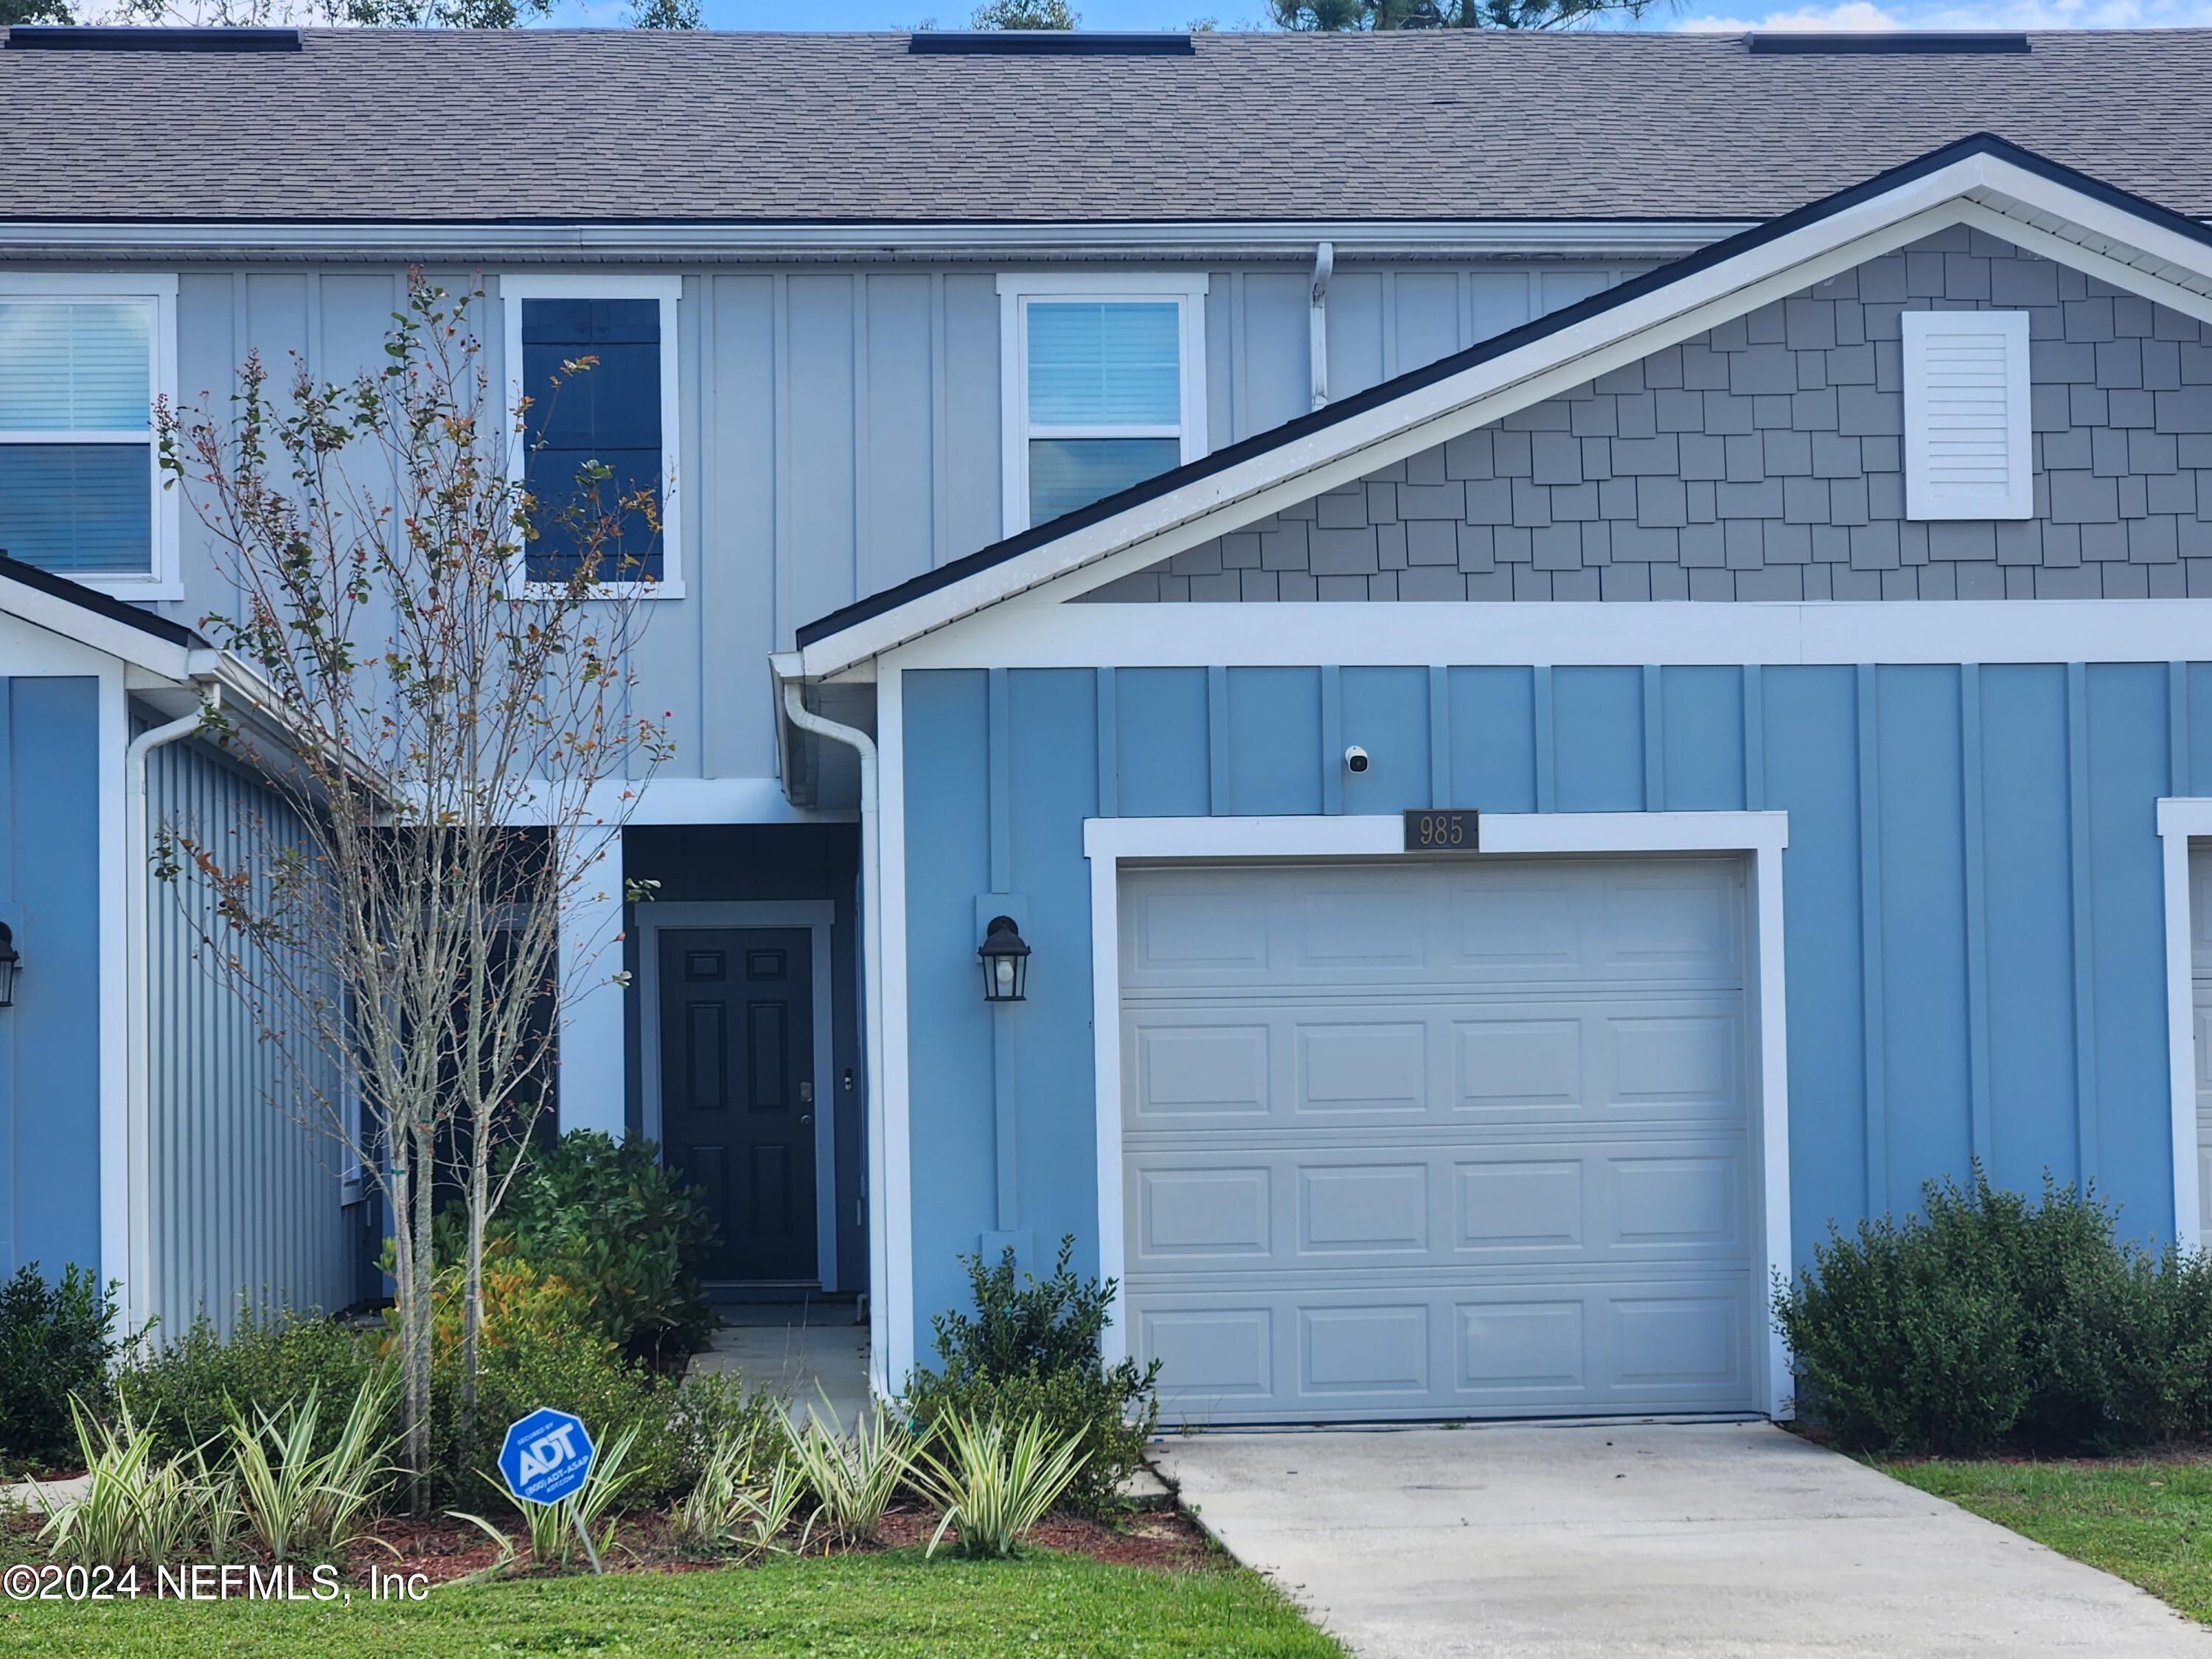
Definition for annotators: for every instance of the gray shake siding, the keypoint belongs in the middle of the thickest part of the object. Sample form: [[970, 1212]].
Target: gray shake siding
[[1763, 461]]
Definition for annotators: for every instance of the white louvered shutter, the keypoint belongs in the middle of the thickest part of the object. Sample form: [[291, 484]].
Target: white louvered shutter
[[1966, 449]]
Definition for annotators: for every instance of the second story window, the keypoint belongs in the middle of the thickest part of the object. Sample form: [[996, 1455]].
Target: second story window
[[596, 355], [1104, 385], [82, 360]]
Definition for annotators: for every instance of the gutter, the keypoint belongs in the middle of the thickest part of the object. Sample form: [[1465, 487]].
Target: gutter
[[137, 1038], [1286, 239]]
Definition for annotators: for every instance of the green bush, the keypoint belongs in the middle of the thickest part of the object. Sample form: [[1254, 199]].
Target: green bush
[[1991, 1319], [608, 1218], [1032, 1351], [677, 1422], [55, 1341], [184, 1391]]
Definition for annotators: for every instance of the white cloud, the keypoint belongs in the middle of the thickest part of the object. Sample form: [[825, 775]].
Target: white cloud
[[1851, 15]]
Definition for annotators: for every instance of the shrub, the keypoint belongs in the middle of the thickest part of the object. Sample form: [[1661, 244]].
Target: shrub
[[137, 1505], [679, 1423], [1032, 1351], [56, 1341], [851, 1477], [609, 1219], [1991, 1319], [186, 1391]]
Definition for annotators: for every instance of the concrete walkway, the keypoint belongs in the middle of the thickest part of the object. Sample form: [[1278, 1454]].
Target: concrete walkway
[[800, 1355], [1715, 1541]]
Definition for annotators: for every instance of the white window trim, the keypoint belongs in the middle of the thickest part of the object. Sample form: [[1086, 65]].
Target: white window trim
[[164, 577], [513, 288], [1185, 289], [2019, 501], [2182, 819], [1109, 843]]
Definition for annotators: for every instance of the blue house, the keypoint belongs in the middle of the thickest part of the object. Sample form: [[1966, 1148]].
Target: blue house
[[1552, 721]]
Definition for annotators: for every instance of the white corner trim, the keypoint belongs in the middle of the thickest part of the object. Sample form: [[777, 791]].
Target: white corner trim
[[2181, 818], [164, 576], [514, 288], [1426, 415], [891, 1326], [1187, 289], [1109, 843], [817, 916]]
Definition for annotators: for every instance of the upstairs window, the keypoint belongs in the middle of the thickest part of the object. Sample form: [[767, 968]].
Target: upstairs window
[[1104, 385], [615, 408], [1967, 450], [82, 360]]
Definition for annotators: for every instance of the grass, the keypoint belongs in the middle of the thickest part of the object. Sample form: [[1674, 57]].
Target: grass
[[2149, 1523], [852, 1607]]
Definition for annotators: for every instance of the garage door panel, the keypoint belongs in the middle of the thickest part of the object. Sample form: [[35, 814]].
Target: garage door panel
[[1602, 1058], [1471, 1203], [1537, 922], [1434, 1140], [1322, 1355]]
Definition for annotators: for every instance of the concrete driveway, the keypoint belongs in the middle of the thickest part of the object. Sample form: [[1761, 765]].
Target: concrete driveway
[[1630, 1539]]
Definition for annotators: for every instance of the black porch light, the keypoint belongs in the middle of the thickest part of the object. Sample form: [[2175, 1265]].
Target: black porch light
[[10, 957], [1006, 962]]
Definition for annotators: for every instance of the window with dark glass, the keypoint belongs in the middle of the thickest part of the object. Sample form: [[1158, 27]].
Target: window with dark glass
[[603, 412]]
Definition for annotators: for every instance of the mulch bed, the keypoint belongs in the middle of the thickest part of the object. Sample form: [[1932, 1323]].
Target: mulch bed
[[444, 1549]]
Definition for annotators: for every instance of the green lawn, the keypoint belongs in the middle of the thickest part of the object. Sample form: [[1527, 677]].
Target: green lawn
[[852, 1607], [2150, 1523]]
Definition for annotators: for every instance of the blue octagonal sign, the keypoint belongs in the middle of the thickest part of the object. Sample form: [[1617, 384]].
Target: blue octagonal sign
[[547, 1456]]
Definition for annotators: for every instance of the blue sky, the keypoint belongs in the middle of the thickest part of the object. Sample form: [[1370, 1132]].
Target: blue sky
[[1687, 13]]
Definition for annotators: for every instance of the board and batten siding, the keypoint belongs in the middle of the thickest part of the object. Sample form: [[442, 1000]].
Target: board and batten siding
[[1972, 891], [244, 1184], [840, 428], [1763, 460], [49, 1042]]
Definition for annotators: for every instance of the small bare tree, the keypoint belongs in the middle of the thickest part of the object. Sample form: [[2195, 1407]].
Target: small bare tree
[[461, 750]]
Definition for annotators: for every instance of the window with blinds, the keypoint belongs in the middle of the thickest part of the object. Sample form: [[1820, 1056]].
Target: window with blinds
[[604, 413], [77, 475], [1100, 390], [1967, 448]]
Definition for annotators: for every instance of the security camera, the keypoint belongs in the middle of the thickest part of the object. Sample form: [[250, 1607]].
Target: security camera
[[1355, 759]]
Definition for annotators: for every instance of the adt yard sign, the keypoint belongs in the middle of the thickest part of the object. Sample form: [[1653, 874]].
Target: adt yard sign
[[547, 1456]]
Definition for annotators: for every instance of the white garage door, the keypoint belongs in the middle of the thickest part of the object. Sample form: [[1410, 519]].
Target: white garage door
[[1438, 1140]]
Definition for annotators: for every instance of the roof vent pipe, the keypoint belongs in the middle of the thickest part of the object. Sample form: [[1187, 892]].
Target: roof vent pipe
[[1317, 320]]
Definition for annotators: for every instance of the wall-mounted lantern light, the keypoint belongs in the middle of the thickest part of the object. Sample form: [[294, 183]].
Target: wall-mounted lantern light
[[1006, 962], [9, 957]]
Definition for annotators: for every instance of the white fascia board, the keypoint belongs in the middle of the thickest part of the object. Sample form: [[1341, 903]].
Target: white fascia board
[[1158, 529], [103, 633], [1569, 633], [1288, 238]]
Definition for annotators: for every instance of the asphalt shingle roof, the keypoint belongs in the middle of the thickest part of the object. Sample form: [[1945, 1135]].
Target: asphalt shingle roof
[[554, 126]]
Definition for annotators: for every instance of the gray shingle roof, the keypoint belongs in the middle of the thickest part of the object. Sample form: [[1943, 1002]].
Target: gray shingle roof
[[550, 125]]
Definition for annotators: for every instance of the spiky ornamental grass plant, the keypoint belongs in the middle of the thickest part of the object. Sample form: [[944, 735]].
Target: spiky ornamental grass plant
[[459, 754], [995, 1483], [137, 1505], [851, 1477], [746, 1499], [295, 1501]]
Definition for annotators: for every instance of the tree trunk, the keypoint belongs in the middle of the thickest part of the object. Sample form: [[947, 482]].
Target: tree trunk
[[420, 1316], [472, 1293]]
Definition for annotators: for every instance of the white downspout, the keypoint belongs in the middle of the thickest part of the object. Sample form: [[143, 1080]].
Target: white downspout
[[137, 1276], [1317, 320], [872, 937]]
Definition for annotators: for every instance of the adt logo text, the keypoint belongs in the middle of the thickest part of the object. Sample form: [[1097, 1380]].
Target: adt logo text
[[547, 1456]]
